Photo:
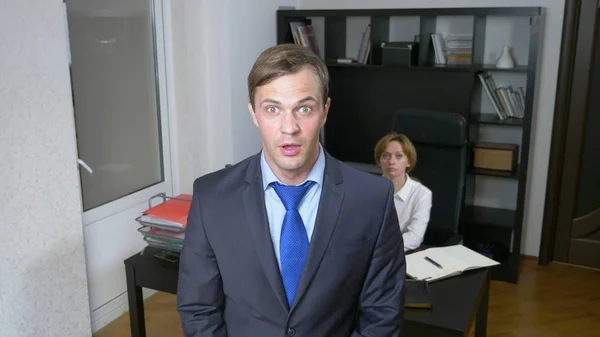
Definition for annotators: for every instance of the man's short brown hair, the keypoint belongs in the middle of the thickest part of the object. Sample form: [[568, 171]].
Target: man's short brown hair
[[407, 146], [286, 59]]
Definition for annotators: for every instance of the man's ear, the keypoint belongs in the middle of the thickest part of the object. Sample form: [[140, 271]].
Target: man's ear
[[252, 113], [326, 111]]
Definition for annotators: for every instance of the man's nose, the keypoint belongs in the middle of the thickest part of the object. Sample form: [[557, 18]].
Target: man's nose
[[289, 125]]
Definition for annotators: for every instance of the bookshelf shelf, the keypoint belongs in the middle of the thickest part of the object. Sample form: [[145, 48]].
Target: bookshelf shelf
[[352, 65], [514, 174], [492, 67], [470, 68], [417, 68], [366, 96], [429, 12], [450, 67], [489, 216], [492, 119]]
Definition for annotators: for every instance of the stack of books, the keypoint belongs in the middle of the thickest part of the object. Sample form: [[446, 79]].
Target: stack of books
[[508, 102], [304, 35], [163, 225], [459, 49], [453, 49]]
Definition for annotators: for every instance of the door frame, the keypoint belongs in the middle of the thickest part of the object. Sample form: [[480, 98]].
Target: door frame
[[163, 70], [568, 129]]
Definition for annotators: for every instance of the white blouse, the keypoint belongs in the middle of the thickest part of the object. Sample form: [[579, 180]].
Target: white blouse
[[413, 204]]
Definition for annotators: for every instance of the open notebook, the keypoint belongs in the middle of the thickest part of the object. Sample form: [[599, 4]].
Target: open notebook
[[453, 260]]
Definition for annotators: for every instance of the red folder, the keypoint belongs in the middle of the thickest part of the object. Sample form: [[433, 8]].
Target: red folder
[[173, 212]]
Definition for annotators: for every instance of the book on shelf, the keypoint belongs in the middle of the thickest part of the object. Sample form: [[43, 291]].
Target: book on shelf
[[508, 102], [438, 48], [452, 49], [364, 50], [304, 35], [459, 48]]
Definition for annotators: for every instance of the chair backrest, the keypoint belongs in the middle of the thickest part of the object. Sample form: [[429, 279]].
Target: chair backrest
[[440, 139]]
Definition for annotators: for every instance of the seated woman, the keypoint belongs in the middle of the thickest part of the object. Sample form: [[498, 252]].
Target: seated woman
[[396, 156]]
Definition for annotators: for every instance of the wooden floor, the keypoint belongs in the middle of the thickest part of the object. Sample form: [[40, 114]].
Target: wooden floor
[[558, 300]]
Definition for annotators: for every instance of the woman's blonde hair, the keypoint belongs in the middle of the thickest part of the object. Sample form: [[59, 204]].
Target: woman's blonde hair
[[407, 146]]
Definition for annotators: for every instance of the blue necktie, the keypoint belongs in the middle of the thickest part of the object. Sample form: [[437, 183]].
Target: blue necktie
[[293, 243]]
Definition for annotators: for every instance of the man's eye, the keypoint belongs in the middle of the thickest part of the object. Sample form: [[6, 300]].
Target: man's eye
[[305, 109], [271, 109]]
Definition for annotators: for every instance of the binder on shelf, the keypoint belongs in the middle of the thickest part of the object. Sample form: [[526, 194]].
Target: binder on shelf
[[166, 245], [163, 225], [171, 214], [160, 233]]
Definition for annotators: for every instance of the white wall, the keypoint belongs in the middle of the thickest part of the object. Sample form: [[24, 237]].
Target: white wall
[[544, 105], [43, 284], [214, 47]]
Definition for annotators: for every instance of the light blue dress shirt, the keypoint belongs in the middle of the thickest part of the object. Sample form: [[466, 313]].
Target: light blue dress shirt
[[307, 208]]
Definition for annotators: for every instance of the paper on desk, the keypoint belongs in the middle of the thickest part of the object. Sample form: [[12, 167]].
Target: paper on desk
[[453, 259]]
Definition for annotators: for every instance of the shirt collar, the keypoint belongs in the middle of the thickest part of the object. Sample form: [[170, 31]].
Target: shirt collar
[[315, 174], [405, 190]]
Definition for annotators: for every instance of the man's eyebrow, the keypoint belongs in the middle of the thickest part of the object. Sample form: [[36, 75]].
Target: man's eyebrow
[[269, 100], [307, 99], [304, 100]]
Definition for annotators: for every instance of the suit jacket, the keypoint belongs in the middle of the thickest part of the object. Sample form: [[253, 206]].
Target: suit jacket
[[353, 279]]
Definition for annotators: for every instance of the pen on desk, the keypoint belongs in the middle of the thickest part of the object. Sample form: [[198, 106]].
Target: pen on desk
[[434, 263]]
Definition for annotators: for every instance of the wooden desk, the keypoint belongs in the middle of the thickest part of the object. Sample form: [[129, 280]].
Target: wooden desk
[[457, 302]]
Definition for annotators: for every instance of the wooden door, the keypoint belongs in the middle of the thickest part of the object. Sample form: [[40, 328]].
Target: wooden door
[[577, 238]]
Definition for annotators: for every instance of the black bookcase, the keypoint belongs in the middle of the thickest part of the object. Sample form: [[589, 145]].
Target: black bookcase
[[365, 97]]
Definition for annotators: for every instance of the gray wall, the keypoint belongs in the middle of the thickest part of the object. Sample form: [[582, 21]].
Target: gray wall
[[43, 283]]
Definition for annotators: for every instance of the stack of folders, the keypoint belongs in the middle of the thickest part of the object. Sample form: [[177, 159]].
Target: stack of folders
[[163, 225]]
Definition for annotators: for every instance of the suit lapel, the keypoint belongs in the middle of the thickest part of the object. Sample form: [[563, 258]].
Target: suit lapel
[[327, 216], [256, 218]]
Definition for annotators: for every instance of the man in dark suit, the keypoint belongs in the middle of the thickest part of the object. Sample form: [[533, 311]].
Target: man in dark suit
[[291, 242]]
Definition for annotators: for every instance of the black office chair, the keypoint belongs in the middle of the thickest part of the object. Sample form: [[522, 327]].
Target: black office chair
[[440, 139]]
